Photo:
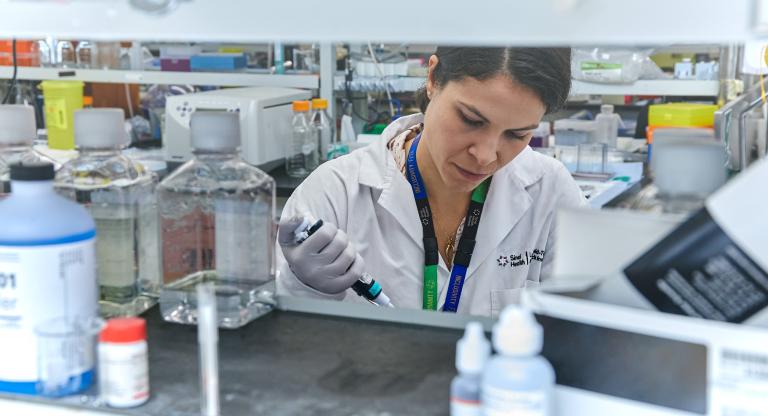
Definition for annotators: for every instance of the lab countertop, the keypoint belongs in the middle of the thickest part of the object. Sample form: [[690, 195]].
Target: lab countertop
[[297, 363]]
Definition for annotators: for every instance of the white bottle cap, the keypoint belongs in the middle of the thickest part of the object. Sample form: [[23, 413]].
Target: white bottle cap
[[472, 350], [100, 128], [216, 131], [606, 108], [517, 332], [17, 125]]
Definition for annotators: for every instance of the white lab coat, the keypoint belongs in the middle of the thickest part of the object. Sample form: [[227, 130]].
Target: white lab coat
[[365, 195]]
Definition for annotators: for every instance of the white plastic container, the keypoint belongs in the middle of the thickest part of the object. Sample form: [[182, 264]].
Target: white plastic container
[[18, 131], [124, 363], [517, 381], [47, 271], [472, 351], [608, 125]]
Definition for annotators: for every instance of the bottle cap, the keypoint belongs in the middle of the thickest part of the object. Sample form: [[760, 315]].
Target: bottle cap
[[606, 108], [472, 350], [300, 106], [517, 332], [319, 103], [215, 131], [124, 330], [17, 125], [35, 171], [100, 128]]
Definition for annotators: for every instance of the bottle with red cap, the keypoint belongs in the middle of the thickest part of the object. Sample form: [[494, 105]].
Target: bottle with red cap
[[124, 363]]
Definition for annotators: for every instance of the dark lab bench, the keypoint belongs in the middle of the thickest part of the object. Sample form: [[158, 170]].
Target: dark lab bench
[[291, 362]]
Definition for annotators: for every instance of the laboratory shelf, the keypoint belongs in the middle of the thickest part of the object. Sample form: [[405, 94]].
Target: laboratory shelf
[[691, 88], [649, 87], [228, 79]]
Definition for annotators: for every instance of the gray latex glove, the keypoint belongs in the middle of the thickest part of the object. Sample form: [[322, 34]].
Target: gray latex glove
[[325, 261]]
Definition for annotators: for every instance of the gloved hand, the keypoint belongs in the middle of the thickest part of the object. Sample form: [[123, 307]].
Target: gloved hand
[[325, 261]]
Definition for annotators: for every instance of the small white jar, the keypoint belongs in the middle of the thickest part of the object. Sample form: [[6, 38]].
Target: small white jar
[[124, 363]]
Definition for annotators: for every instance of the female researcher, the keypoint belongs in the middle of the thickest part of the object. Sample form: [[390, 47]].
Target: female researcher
[[451, 210]]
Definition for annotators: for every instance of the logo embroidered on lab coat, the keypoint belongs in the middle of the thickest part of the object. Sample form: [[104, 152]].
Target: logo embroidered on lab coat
[[520, 259]]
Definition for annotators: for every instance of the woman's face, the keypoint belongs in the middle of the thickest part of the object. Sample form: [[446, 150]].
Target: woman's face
[[473, 128]]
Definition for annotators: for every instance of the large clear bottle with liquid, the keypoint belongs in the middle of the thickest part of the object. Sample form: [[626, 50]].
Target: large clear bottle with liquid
[[324, 128], [120, 195], [18, 131], [217, 217], [302, 153]]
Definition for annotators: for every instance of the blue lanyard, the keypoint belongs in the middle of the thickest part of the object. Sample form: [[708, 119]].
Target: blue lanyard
[[466, 244]]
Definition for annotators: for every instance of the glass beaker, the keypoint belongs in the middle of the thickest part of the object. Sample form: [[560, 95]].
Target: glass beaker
[[591, 158], [66, 351]]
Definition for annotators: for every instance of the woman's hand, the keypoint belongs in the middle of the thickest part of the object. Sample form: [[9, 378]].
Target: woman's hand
[[326, 261]]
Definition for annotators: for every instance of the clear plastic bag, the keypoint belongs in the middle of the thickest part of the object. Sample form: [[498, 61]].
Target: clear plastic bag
[[609, 65]]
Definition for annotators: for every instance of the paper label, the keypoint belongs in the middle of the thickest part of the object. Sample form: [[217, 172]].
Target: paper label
[[502, 402], [39, 283], [56, 113], [601, 71]]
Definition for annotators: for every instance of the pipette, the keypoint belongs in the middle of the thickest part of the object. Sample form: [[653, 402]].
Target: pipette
[[365, 286]]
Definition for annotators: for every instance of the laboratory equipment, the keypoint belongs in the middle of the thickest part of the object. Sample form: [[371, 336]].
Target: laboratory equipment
[[62, 99], [682, 115], [472, 352], [591, 158], [265, 117], [124, 363], [687, 168], [66, 355], [217, 214], [208, 339], [608, 124], [684, 69], [65, 52], [324, 127], [714, 265], [217, 62], [86, 54], [301, 154], [365, 287], [517, 380], [570, 132], [47, 270], [120, 195], [17, 133], [107, 55]]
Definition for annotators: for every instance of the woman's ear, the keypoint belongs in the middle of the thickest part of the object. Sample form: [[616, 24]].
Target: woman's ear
[[431, 82]]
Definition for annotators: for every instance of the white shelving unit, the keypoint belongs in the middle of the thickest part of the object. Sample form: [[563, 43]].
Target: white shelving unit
[[643, 87], [229, 79], [649, 87]]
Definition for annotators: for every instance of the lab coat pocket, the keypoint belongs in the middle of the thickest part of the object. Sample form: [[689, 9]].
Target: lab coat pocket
[[501, 298]]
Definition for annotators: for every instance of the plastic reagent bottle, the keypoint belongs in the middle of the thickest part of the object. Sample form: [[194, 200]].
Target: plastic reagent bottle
[[120, 195], [18, 131], [517, 381], [216, 215], [124, 362], [47, 271], [608, 125], [323, 126], [472, 352], [301, 156]]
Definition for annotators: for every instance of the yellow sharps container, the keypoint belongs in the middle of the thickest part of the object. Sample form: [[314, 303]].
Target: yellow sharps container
[[62, 99]]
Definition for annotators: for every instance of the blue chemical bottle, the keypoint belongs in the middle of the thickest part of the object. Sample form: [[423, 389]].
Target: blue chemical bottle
[[47, 272], [517, 381]]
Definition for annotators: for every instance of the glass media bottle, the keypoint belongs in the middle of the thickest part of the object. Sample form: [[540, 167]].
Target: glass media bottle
[[120, 195], [217, 218]]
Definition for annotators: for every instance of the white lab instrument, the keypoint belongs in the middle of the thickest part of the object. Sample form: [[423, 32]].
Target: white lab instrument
[[265, 121]]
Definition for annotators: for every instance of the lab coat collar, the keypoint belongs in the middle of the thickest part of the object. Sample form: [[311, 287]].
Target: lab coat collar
[[507, 201]]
